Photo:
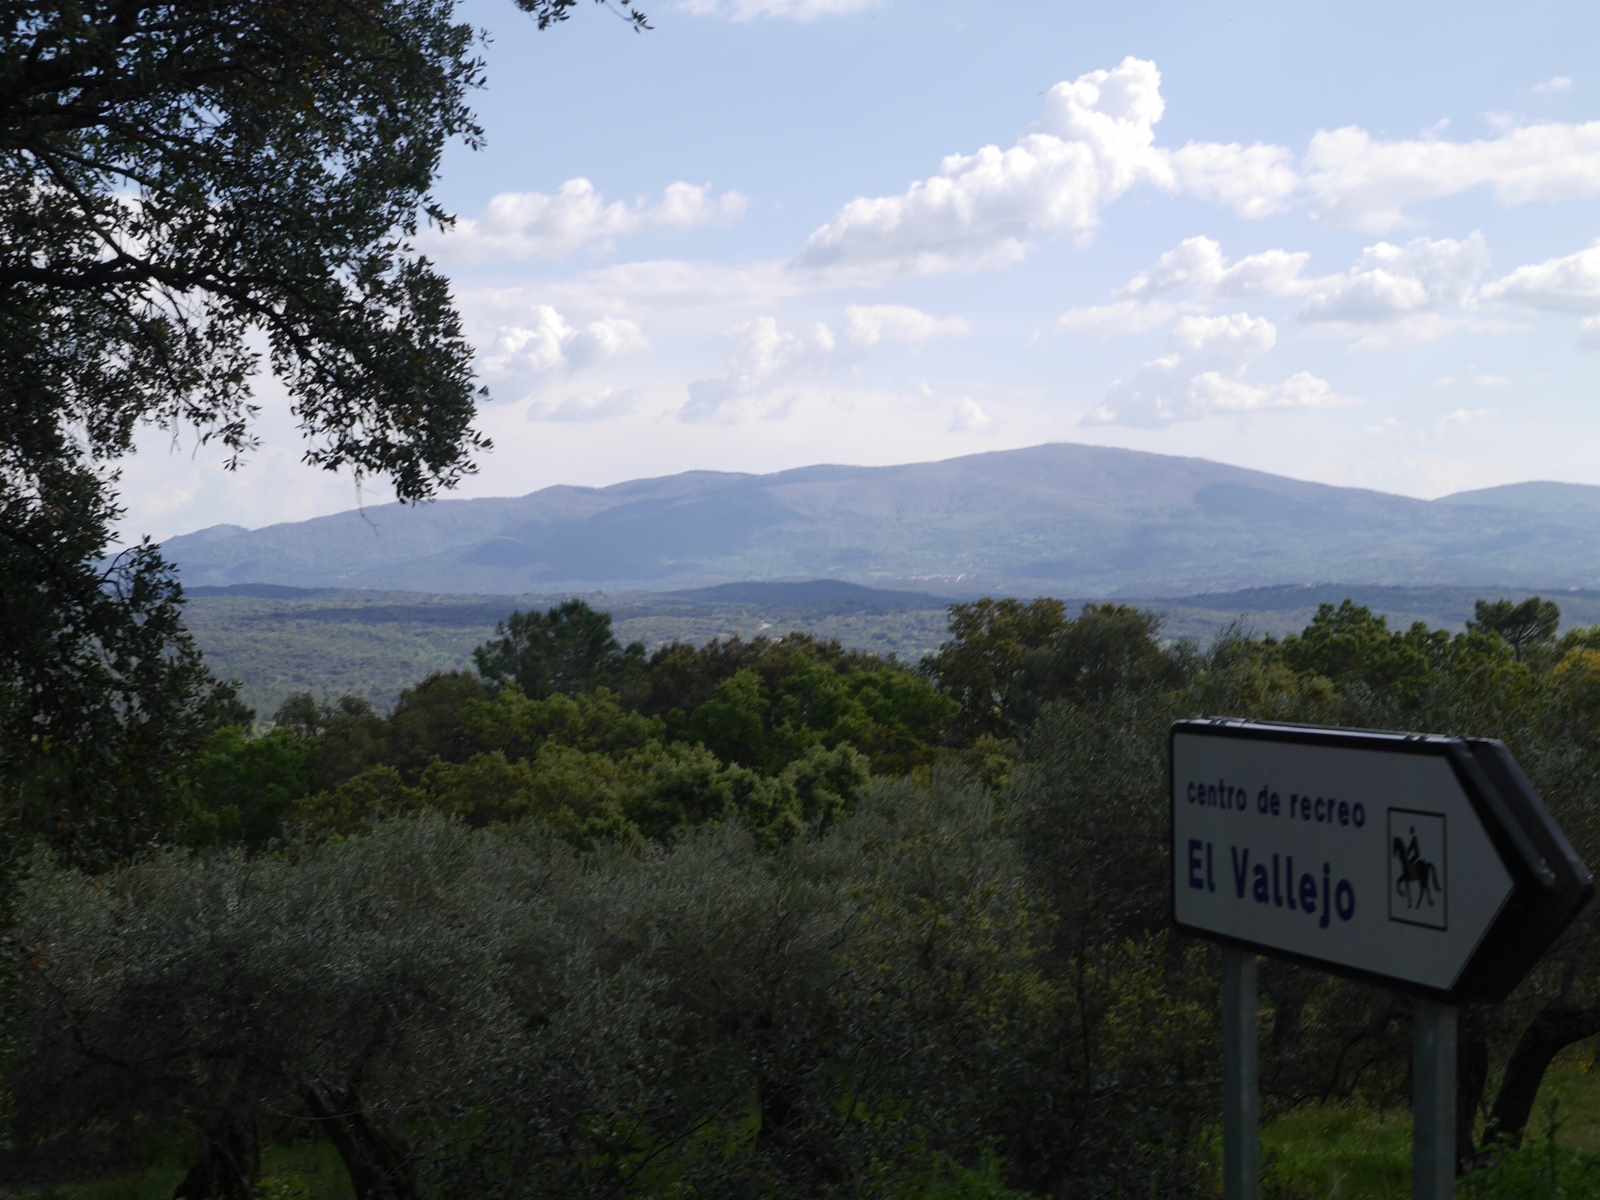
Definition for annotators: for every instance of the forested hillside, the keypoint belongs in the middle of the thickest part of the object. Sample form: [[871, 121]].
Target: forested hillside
[[276, 641], [763, 916]]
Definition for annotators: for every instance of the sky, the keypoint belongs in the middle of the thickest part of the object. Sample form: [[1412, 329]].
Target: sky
[[1347, 242]]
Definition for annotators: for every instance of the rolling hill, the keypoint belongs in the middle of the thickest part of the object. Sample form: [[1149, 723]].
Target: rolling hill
[[1061, 518]]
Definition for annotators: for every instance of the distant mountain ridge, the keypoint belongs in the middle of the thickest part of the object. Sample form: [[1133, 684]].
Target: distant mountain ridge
[[1060, 518]]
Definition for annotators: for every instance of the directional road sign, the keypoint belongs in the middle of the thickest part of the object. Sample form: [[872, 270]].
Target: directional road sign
[[1425, 862]]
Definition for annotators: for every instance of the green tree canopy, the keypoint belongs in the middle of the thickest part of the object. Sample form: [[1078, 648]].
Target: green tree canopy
[[102, 690], [980, 667], [1524, 627], [566, 650], [189, 193]]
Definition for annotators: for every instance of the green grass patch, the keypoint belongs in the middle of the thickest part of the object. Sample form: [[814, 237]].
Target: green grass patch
[[1350, 1152], [1344, 1151]]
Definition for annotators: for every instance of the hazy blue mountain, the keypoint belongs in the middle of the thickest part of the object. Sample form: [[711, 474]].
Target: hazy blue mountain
[[1066, 519], [1540, 497]]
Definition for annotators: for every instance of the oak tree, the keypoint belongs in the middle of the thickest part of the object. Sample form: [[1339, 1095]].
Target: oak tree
[[189, 193]]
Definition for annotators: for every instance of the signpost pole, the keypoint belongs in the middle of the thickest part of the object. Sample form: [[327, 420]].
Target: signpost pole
[[1241, 1085], [1433, 1101]]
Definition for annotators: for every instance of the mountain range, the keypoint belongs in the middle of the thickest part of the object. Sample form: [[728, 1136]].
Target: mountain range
[[1062, 519]]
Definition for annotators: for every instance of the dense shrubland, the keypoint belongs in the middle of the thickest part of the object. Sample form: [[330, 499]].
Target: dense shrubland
[[754, 918]]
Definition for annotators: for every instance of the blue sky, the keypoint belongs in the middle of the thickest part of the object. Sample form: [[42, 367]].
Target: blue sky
[[1354, 243]]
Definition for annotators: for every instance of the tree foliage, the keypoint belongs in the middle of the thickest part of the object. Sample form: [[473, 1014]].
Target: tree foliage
[[1524, 627], [189, 193], [749, 925], [566, 650], [102, 691]]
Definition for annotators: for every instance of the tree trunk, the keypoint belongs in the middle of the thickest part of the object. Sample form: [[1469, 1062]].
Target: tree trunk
[[229, 1162], [377, 1168], [1555, 1028]]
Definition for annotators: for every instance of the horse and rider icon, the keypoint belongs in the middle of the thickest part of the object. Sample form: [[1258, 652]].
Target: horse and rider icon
[[1416, 861]]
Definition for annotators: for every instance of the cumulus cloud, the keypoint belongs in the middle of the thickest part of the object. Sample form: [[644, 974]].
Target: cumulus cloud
[[1388, 280], [969, 417], [870, 324], [1208, 373], [1122, 317], [1254, 181], [786, 10], [1234, 335], [599, 405], [1198, 265], [763, 355], [1568, 284], [524, 225], [1393, 294], [1097, 142], [1163, 392], [546, 341], [1553, 86], [1368, 183]]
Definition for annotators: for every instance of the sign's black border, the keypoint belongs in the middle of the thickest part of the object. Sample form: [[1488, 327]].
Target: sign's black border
[[1550, 884]]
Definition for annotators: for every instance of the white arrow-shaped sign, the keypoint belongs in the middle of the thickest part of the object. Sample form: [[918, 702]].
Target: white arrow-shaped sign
[[1417, 860]]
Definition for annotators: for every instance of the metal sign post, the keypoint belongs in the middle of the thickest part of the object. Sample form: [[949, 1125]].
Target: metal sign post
[[1433, 1101], [1423, 862], [1241, 1083]]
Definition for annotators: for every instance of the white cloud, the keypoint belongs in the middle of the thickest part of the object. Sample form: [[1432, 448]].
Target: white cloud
[[788, 10], [1197, 265], [1098, 141], [1553, 86], [763, 355], [1368, 183], [1463, 416], [524, 225], [1208, 375], [1237, 335], [1163, 392], [870, 324], [609, 337], [1254, 181], [1122, 317], [1569, 284], [969, 417], [546, 341], [1392, 295], [601, 405], [688, 205], [1390, 281], [1589, 333], [1371, 295]]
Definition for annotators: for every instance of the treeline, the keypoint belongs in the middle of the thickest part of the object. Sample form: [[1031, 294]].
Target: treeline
[[755, 918]]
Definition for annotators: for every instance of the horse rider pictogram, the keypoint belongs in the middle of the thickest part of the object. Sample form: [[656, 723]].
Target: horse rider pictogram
[[1418, 879]]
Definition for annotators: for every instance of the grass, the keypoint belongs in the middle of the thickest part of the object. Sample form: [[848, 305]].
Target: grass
[[1344, 1152]]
